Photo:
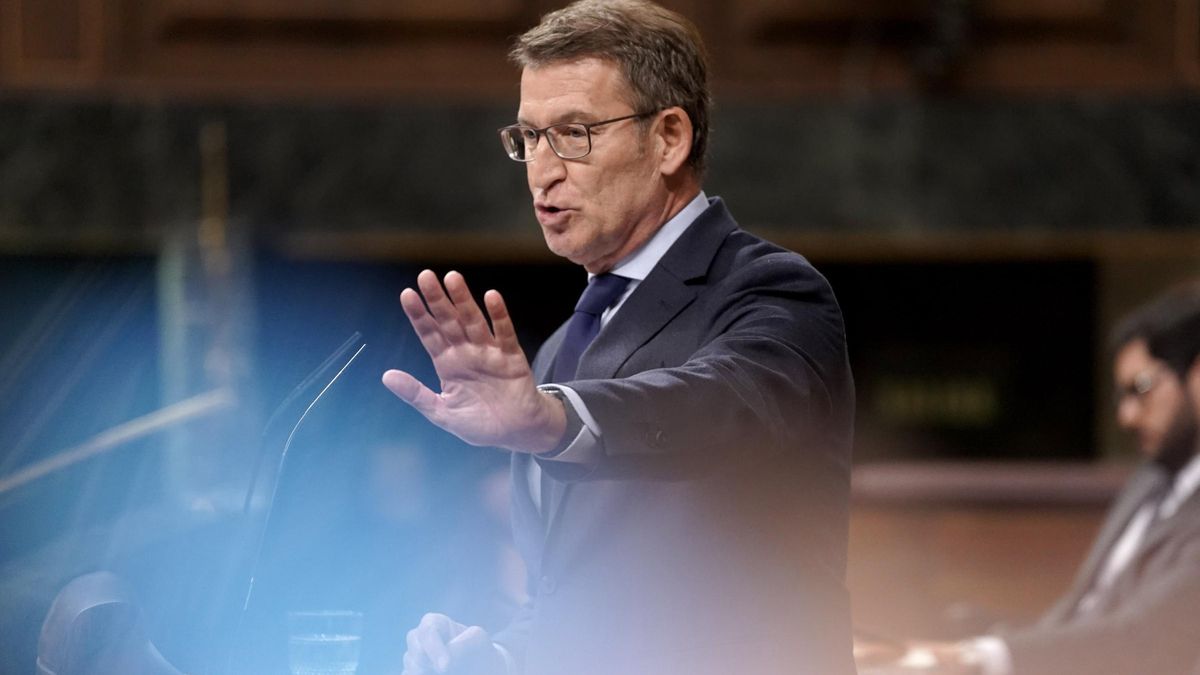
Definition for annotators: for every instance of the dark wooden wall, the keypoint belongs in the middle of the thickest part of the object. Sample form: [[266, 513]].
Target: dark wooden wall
[[762, 48]]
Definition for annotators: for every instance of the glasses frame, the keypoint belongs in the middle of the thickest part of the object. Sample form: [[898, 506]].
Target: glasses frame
[[1140, 387], [539, 133]]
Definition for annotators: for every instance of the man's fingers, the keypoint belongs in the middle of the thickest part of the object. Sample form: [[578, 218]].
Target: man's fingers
[[415, 664], [474, 649], [502, 326], [472, 637], [415, 661], [473, 321], [429, 639], [422, 322], [440, 307]]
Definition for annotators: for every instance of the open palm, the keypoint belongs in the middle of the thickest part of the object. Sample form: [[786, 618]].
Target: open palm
[[488, 392]]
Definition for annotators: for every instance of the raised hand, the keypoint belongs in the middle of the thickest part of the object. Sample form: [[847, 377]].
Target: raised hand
[[488, 393]]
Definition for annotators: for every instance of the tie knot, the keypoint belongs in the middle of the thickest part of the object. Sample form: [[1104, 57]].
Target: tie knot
[[601, 291]]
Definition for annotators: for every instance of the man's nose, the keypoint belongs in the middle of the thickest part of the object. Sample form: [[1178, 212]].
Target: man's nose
[[1127, 412], [546, 168]]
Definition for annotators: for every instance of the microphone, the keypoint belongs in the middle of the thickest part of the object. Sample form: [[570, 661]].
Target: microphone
[[305, 385], [337, 358]]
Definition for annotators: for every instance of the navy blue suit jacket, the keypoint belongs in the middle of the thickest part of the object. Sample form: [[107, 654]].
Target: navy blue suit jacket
[[708, 532]]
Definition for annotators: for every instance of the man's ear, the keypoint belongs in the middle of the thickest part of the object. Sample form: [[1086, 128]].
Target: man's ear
[[675, 139]]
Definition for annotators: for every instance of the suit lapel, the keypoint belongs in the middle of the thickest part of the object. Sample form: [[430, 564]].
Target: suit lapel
[[546, 355], [652, 305], [1182, 523], [1145, 481], [1164, 528], [661, 296]]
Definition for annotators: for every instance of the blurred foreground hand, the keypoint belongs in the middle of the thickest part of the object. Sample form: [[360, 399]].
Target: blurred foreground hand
[[440, 645]]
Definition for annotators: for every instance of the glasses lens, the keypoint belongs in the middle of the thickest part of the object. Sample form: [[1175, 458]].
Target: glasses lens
[[1144, 382], [570, 141], [518, 142], [1137, 389]]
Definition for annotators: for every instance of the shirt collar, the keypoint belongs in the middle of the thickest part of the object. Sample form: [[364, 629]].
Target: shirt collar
[[637, 265]]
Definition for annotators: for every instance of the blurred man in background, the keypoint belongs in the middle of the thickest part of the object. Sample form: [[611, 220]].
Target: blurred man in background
[[1132, 607]]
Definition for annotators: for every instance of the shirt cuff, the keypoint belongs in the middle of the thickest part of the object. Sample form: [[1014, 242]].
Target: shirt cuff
[[583, 445], [989, 653]]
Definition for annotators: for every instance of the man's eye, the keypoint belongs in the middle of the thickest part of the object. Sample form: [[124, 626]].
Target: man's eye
[[529, 135], [576, 132]]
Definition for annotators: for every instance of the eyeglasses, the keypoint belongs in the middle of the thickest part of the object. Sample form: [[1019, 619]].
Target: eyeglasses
[[1141, 385], [571, 140]]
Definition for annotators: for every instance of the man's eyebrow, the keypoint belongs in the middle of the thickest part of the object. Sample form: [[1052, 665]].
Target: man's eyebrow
[[563, 118]]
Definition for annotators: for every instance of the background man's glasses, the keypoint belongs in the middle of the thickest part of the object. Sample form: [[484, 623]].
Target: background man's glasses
[[569, 141], [1141, 385]]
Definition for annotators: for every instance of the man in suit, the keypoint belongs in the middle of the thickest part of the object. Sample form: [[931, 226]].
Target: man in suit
[[1132, 606], [681, 477]]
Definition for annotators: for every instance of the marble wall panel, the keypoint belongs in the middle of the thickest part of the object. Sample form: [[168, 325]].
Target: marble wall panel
[[905, 165]]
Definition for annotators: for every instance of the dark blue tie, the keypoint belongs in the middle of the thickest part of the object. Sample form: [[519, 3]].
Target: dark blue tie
[[601, 292]]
